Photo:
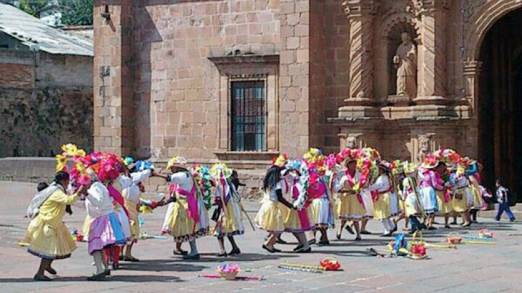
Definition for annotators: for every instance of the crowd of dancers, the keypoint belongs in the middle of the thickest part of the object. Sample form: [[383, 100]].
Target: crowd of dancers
[[304, 197]]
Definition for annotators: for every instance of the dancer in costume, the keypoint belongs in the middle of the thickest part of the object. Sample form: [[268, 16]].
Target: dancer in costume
[[270, 215], [105, 228], [444, 195], [131, 184], [47, 236], [228, 215], [112, 253], [412, 203], [322, 204], [350, 205], [298, 220], [187, 217], [462, 199], [381, 190], [430, 183]]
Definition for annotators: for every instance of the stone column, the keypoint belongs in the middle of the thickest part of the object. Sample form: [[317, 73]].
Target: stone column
[[432, 52], [113, 95], [360, 18], [471, 78]]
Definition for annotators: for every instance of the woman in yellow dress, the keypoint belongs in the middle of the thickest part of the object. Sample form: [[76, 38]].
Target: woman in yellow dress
[[47, 235], [382, 187]]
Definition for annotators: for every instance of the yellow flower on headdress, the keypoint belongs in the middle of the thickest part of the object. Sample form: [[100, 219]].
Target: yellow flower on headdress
[[219, 169], [71, 150], [61, 161], [281, 160], [176, 160]]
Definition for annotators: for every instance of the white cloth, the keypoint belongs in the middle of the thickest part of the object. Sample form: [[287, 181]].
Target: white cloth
[[129, 184], [382, 184], [183, 180], [40, 198], [98, 202]]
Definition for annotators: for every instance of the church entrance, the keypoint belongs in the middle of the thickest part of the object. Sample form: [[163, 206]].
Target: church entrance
[[500, 103]]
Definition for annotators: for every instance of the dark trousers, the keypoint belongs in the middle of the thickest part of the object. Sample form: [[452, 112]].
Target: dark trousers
[[504, 207], [415, 223]]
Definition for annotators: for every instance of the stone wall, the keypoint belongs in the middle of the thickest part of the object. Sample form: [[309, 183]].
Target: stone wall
[[45, 101]]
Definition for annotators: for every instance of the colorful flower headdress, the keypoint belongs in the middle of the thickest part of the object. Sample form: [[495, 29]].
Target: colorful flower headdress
[[219, 170], [176, 161], [280, 160]]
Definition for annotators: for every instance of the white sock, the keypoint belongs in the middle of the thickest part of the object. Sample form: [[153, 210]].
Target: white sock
[[98, 261]]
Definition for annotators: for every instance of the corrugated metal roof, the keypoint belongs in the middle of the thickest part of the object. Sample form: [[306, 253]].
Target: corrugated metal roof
[[34, 33]]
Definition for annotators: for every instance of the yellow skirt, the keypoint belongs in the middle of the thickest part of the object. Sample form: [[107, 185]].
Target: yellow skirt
[[293, 222], [270, 217], [231, 223], [477, 198], [459, 201], [381, 207], [348, 207], [180, 225], [444, 207], [49, 240], [133, 219], [402, 205]]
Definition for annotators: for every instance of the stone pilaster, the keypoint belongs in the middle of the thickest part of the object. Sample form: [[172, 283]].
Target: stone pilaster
[[471, 78], [360, 15], [113, 95], [432, 52]]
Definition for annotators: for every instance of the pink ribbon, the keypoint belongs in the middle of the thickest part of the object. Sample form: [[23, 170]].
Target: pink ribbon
[[192, 201], [116, 196]]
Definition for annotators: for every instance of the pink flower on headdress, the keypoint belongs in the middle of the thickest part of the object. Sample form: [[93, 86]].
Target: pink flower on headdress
[[331, 161]]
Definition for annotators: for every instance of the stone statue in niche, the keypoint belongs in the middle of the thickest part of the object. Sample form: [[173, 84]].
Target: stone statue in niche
[[405, 61], [351, 142], [424, 146]]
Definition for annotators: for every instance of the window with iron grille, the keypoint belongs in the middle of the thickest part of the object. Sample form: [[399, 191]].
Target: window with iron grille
[[248, 115]]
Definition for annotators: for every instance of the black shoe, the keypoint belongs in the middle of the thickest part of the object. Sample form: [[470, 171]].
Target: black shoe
[[338, 236], [432, 228], [97, 277], [358, 238], [281, 241], [224, 254], [312, 241], [387, 234], [179, 252], [41, 278], [271, 250], [365, 232], [308, 250], [107, 272], [51, 271], [423, 226], [323, 243], [235, 252], [298, 247], [394, 229], [191, 257], [349, 229], [447, 226]]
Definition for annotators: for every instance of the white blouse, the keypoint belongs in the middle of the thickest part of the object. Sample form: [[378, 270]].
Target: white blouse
[[98, 202]]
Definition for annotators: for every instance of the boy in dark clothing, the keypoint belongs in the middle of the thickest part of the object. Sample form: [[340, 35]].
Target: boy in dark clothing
[[503, 202]]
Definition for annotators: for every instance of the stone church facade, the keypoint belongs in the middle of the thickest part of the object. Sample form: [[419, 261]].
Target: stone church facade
[[242, 80]]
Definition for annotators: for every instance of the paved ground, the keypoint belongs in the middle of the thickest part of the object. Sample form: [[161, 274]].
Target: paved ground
[[470, 268]]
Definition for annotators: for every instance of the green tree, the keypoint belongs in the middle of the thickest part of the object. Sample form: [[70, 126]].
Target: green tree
[[76, 12], [34, 7]]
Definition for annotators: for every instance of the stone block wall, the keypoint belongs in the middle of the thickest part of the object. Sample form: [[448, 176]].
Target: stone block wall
[[176, 86], [45, 101]]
